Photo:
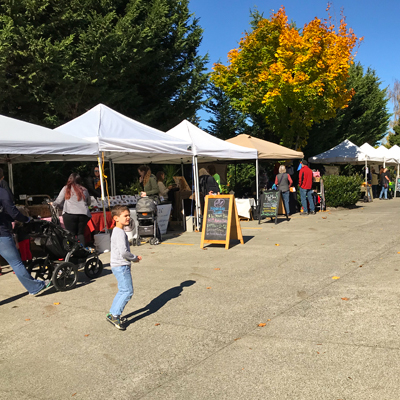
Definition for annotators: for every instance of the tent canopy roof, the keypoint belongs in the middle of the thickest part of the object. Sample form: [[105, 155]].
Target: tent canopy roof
[[266, 150], [207, 147], [125, 140], [25, 142], [394, 152], [344, 153]]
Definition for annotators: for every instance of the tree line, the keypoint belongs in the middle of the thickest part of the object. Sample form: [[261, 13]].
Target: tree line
[[297, 87]]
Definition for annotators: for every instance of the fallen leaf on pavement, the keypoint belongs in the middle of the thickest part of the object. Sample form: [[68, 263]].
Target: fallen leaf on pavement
[[324, 217], [317, 352], [277, 244], [73, 395], [156, 324], [28, 319], [262, 324], [360, 266], [56, 304], [204, 248], [208, 287], [87, 335], [237, 338], [345, 298], [217, 269], [268, 320], [335, 277]]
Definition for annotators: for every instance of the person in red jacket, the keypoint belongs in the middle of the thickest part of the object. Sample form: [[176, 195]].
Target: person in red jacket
[[305, 183]]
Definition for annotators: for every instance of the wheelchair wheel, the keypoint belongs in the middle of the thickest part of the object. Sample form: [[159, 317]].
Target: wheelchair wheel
[[65, 276], [39, 269], [93, 268]]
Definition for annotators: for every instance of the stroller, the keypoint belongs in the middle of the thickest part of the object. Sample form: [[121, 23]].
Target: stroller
[[146, 212], [64, 255]]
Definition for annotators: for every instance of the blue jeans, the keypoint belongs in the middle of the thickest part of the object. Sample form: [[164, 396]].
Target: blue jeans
[[383, 190], [10, 253], [285, 196], [125, 289], [304, 195]]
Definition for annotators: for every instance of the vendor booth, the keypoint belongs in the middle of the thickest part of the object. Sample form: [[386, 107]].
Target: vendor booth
[[208, 148], [268, 151]]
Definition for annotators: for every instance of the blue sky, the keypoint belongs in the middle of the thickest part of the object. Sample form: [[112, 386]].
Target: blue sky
[[224, 22]]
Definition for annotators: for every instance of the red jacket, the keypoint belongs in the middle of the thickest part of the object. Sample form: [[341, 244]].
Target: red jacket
[[305, 177]]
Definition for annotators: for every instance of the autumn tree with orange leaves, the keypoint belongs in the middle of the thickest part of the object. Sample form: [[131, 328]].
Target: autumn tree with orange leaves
[[292, 78]]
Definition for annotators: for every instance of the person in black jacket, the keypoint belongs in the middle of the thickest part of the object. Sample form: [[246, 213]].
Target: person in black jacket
[[208, 185], [8, 250], [93, 183], [4, 184]]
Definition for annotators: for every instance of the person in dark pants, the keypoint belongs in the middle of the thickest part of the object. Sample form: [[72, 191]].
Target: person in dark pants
[[74, 199], [385, 180], [8, 249], [283, 181], [305, 183]]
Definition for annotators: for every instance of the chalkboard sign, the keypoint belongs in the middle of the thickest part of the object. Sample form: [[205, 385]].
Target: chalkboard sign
[[220, 221], [216, 216], [269, 202]]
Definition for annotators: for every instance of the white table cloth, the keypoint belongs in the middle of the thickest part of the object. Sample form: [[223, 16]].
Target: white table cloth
[[244, 207]]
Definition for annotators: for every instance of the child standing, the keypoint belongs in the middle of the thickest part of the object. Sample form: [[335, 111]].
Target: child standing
[[120, 262]]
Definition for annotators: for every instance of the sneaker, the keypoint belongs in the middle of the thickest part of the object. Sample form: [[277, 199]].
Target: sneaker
[[312, 212], [304, 213], [116, 321], [47, 284]]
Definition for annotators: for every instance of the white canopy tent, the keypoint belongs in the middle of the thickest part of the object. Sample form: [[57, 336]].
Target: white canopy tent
[[371, 152], [124, 140], [22, 142], [344, 153], [208, 148], [384, 153]]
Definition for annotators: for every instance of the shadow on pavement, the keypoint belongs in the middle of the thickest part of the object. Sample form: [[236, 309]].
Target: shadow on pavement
[[13, 298], [157, 303]]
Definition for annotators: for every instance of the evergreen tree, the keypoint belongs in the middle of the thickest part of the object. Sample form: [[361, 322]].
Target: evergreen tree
[[394, 138], [225, 122], [365, 119], [58, 58]]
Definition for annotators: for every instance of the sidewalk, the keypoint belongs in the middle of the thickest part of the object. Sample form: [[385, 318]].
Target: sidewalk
[[194, 319]]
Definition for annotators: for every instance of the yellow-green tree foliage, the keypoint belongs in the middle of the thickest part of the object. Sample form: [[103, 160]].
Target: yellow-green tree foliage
[[292, 77]]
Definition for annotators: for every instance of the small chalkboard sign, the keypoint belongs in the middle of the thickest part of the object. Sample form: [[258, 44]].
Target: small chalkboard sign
[[269, 202], [220, 221]]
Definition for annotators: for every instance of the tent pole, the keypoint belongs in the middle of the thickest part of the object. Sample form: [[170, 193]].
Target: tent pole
[[111, 177], [257, 181], [102, 192], [396, 186], [182, 167], [115, 183], [366, 179], [198, 205], [10, 176], [196, 190]]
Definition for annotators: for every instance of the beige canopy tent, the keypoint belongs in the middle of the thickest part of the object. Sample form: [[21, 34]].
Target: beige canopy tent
[[266, 150]]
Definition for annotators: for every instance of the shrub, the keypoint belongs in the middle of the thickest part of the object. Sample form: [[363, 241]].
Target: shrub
[[342, 191]]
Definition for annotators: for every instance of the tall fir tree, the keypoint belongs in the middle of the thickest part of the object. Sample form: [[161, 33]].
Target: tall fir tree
[[365, 119], [225, 122], [58, 58]]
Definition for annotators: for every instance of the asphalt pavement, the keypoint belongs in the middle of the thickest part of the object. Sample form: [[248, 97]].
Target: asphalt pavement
[[305, 309]]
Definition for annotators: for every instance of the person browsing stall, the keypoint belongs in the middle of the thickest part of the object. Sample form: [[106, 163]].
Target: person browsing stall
[[74, 200], [305, 183], [283, 181], [93, 183], [149, 181], [385, 180], [120, 262], [8, 249]]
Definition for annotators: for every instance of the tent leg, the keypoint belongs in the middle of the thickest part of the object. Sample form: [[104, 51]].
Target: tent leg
[[396, 186], [115, 183], [10, 176], [257, 181], [110, 164], [102, 193], [182, 172], [198, 206]]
